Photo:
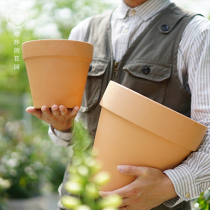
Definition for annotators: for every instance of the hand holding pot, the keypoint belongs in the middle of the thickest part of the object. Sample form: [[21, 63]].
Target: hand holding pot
[[59, 117], [151, 188]]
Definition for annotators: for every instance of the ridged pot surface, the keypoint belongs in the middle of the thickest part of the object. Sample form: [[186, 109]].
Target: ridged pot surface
[[57, 71], [134, 130]]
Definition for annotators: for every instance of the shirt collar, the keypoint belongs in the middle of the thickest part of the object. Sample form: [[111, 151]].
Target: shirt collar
[[146, 10]]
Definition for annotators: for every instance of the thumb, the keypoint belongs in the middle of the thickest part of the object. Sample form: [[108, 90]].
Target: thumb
[[130, 170], [36, 112]]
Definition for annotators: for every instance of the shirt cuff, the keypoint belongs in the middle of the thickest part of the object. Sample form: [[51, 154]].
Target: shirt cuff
[[184, 185], [60, 138]]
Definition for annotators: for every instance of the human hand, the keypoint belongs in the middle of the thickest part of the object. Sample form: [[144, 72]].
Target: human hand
[[60, 117], [151, 188]]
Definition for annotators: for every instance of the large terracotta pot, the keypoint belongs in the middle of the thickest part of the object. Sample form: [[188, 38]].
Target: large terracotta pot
[[57, 71], [135, 130]]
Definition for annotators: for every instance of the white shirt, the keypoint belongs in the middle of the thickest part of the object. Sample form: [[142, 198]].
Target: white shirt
[[193, 63]]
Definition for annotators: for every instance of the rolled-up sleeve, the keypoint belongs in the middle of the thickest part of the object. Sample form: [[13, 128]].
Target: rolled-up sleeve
[[60, 138]]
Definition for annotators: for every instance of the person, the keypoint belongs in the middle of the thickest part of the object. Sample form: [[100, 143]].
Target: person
[[167, 54]]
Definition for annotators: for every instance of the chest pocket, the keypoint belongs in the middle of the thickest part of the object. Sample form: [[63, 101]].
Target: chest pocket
[[93, 85], [147, 78]]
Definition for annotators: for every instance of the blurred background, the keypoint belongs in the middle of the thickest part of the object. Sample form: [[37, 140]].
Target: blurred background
[[31, 166]]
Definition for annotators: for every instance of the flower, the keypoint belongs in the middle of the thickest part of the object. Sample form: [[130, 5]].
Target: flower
[[70, 201], [73, 187], [4, 184], [102, 178], [113, 200]]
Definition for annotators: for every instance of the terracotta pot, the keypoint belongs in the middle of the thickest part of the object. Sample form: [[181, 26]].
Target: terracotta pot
[[135, 130], [57, 71]]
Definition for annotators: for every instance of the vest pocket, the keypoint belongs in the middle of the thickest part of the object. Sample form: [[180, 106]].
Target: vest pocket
[[147, 78], [93, 85]]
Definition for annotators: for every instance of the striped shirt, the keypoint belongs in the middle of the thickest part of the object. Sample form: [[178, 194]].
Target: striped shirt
[[192, 176]]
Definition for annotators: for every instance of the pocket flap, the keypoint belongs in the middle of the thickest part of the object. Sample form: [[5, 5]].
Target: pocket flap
[[98, 67], [154, 71]]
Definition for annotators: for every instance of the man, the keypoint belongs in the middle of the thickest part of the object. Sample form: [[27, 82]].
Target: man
[[169, 50]]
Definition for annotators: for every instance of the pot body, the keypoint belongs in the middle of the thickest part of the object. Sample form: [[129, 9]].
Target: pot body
[[134, 130], [121, 142], [57, 71]]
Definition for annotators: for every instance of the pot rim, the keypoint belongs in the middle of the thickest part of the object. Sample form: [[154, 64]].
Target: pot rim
[[115, 98], [40, 40], [57, 47]]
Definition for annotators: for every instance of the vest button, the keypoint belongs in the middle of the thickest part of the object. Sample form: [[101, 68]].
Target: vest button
[[90, 67], [165, 27], [146, 70]]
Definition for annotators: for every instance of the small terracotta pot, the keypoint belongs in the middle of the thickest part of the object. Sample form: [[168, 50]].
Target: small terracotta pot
[[135, 130], [57, 71]]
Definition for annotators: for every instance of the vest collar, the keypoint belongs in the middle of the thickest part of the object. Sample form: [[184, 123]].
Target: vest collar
[[146, 10]]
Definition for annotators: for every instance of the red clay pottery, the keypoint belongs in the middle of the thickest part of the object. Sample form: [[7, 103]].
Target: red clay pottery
[[135, 130], [57, 71]]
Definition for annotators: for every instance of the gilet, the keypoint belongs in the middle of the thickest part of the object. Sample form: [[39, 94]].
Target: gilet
[[148, 67]]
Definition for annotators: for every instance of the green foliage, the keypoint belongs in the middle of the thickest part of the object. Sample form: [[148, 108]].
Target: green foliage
[[61, 13], [84, 182], [10, 78], [75, 11], [4, 185], [32, 165], [203, 201]]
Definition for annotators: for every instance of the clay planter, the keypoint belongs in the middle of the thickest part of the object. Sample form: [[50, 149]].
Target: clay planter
[[134, 130], [57, 71]]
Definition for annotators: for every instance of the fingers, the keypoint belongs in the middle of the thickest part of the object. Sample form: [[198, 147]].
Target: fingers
[[123, 192], [123, 208], [128, 201], [56, 115], [46, 111], [36, 112], [74, 111], [63, 110], [55, 110], [127, 191], [130, 170], [30, 109]]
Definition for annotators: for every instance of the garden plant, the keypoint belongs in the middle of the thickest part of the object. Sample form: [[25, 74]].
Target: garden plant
[[30, 166], [85, 178], [203, 202]]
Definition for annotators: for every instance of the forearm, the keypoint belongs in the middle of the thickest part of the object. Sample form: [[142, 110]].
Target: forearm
[[192, 176]]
